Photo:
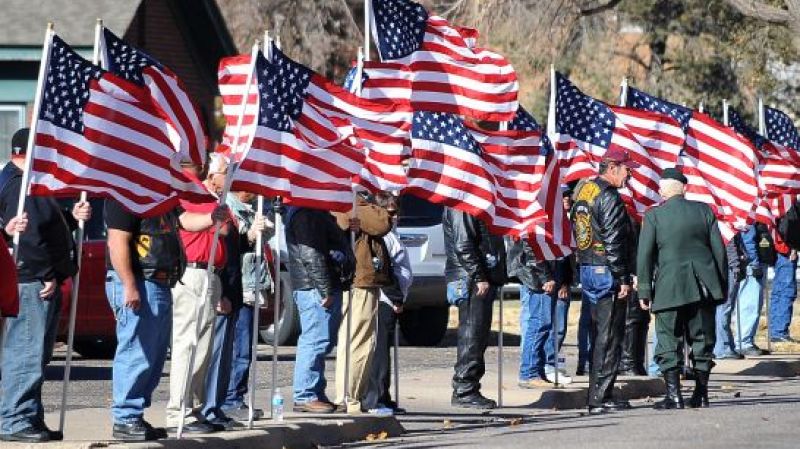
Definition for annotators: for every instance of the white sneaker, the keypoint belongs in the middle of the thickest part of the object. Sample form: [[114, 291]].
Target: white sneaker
[[381, 411], [563, 378]]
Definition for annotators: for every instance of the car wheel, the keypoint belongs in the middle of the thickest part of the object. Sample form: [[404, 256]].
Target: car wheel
[[289, 321], [95, 349], [425, 326]]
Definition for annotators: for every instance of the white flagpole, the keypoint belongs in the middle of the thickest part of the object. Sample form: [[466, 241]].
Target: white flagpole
[[701, 108], [201, 305], [367, 22], [73, 306], [762, 129], [503, 126], [623, 92], [726, 122], [276, 312], [37, 105], [251, 396]]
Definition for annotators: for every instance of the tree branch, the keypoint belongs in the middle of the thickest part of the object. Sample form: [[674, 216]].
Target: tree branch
[[762, 11], [595, 7]]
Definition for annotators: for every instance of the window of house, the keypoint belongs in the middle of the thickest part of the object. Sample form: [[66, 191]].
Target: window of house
[[12, 118]]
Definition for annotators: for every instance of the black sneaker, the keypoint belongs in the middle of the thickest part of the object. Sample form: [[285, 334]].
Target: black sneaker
[[615, 406], [133, 431], [222, 423], [31, 434], [475, 400]]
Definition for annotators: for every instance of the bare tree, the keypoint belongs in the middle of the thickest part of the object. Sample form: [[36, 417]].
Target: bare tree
[[761, 10]]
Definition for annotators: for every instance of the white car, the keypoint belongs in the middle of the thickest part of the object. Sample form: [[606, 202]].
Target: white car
[[424, 321]]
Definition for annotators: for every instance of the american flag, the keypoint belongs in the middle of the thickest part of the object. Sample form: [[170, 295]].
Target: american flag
[[550, 239], [282, 161], [586, 128], [719, 164], [448, 73], [780, 129], [232, 80], [449, 166], [98, 133], [165, 87]]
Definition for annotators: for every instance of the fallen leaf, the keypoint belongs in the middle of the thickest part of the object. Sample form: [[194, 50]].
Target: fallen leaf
[[515, 422], [371, 437], [727, 387], [738, 394], [382, 435], [447, 424], [765, 418]]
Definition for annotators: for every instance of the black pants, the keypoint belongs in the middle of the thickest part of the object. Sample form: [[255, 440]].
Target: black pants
[[380, 378], [608, 330], [697, 322], [474, 324], [635, 341]]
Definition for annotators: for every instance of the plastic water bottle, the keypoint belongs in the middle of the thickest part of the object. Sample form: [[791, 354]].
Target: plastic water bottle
[[277, 405]]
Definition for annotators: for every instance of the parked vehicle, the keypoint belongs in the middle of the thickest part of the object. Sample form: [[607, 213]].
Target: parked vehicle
[[95, 328], [424, 321]]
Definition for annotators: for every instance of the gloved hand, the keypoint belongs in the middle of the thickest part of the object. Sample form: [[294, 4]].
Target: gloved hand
[[755, 270]]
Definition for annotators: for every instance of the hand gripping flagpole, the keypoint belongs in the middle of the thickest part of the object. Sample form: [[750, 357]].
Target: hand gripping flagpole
[[37, 105], [762, 129], [186, 394], [73, 306]]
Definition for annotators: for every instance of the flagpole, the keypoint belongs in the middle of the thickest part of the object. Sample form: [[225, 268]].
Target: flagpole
[[37, 104], [367, 23], [503, 126], [73, 306], [623, 92], [762, 129], [201, 305], [726, 122]]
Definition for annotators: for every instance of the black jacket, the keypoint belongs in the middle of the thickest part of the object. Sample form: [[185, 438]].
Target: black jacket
[[737, 257], [46, 248], [603, 229], [314, 242], [472, 252], [523, 266]]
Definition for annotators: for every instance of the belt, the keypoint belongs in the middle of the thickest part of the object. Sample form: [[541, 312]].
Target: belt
[[203, 266]]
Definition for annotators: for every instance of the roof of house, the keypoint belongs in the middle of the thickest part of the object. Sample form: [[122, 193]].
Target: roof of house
[[23, 22]]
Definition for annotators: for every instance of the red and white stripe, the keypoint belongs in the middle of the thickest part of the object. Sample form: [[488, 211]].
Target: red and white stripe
[[553, 238], [515, 160], [380, 125], [721, 168], [450, 75], [232, 79], [283, 164], [170, 94], [126, 153]]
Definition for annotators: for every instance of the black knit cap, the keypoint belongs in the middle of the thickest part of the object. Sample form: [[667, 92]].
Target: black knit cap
[[674, 173], [19, 141]]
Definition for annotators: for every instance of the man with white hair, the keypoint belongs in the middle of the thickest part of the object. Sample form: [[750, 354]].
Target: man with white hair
[[683, 274]]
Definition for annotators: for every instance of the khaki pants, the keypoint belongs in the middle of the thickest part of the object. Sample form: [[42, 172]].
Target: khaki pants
[[185, 297], [364, 305]]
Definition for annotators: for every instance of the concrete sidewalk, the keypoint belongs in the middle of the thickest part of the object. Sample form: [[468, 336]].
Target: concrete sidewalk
[[423, 393]]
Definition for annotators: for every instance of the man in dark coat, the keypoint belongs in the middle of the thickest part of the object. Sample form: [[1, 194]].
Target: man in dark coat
[[475, 270], [683, 272], [604, 237]]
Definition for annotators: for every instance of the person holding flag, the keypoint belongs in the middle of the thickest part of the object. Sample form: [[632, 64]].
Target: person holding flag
[[44, 262]]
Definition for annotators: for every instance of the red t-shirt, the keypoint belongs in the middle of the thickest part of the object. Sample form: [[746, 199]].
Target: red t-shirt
[[197, 245]]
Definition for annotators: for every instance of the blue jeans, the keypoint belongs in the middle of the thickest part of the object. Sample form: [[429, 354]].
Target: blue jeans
[[585, 333], [536, 325], [725, 343], [240, 367], [27, 349], [219, 370], [784, 292], [560, 319], [750, 301], [143, 337], [652, 367], [318, 330]]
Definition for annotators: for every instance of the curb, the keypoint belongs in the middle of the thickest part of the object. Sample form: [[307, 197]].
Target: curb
[[305, 434], [576, 398], [765, 367]]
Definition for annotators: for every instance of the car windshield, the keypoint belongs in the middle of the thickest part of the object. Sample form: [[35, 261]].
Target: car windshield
[[416, 212]]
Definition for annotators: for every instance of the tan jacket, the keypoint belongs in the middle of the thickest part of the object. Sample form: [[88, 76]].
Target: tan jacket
[[375, 223]]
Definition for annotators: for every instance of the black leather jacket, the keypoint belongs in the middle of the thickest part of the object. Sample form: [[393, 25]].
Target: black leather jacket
[[532, 273], [312, 238], [602, 228], [472, 252]]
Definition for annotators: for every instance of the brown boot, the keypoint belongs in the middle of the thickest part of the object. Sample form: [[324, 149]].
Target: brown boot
[[314, 406]]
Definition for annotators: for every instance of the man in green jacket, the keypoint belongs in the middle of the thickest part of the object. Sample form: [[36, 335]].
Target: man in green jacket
[[682, 271]]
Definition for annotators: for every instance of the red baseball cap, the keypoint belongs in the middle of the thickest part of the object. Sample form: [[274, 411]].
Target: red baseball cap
[[620, 156]]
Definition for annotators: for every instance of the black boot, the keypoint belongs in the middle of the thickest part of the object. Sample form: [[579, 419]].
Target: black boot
[[699, 397], [673, 398]]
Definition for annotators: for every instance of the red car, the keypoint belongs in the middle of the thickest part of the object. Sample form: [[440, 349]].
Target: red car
[[95, 329]]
